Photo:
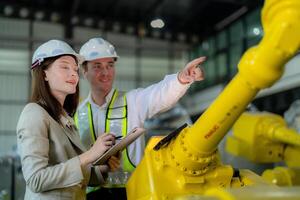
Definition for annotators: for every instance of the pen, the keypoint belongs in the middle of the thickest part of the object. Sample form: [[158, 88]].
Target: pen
[[118, 137]]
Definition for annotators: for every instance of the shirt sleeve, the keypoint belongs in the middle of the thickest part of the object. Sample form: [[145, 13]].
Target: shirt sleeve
[[158, 97], [33, 146]]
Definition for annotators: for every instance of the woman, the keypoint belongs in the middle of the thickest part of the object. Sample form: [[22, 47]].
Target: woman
[[54, 162]]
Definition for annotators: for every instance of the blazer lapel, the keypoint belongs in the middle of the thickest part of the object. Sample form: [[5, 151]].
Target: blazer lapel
[[71, 132]]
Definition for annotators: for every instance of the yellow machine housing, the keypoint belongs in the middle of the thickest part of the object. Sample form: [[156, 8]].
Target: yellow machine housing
[[265, 138], [261, 138]]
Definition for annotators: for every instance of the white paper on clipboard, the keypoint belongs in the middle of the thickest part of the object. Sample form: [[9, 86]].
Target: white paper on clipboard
[[119, 146]]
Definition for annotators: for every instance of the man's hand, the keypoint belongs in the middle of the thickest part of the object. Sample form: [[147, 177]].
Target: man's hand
[[192, 71], [114, 162]]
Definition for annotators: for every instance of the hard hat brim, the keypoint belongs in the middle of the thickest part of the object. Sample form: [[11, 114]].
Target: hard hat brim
[[79, 58], [116, 57]]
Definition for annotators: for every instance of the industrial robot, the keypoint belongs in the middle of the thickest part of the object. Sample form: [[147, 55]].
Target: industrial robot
[[185, 164]]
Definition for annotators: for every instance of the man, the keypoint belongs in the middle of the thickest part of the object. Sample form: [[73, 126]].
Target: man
[[108, 110]]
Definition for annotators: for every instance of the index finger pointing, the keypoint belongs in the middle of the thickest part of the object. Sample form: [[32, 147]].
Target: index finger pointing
[[196, 62]]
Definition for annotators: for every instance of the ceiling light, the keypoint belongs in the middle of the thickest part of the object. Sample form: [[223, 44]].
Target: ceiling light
[[157, 23], [8, 10], [39, 15], [256, 31], [23, 12]]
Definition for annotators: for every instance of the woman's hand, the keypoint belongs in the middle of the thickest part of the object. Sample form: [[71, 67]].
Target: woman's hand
[[192, 71], [101, 145]]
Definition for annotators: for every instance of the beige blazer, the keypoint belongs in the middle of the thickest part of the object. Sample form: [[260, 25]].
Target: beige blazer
[[49, 156]]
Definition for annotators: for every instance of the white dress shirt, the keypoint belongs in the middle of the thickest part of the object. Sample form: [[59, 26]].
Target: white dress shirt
[[142, 103]]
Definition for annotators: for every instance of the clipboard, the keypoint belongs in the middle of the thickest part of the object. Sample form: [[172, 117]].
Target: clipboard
[[121, 145]]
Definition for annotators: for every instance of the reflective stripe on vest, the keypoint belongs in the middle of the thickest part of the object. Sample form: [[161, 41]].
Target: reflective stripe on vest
[[116, 122]]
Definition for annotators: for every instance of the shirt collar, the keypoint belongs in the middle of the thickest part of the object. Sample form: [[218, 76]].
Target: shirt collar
[[107, 98]]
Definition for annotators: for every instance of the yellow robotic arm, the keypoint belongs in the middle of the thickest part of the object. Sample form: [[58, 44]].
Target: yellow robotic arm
[[265, 138], [189, 164], [262, 138]]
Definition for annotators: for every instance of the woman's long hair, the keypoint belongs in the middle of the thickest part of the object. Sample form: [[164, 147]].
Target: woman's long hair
[[42, 95]]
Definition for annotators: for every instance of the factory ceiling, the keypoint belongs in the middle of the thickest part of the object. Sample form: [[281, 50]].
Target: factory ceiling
[[185, 19]]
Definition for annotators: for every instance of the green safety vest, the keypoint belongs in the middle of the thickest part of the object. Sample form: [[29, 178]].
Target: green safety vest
[[115, 122]]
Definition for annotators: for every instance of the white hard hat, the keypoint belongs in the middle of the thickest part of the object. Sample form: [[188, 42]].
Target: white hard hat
[[53, 48], [97, 48]]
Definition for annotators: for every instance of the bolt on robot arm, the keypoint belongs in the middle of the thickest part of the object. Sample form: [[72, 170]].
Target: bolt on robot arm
[[189, 164]]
